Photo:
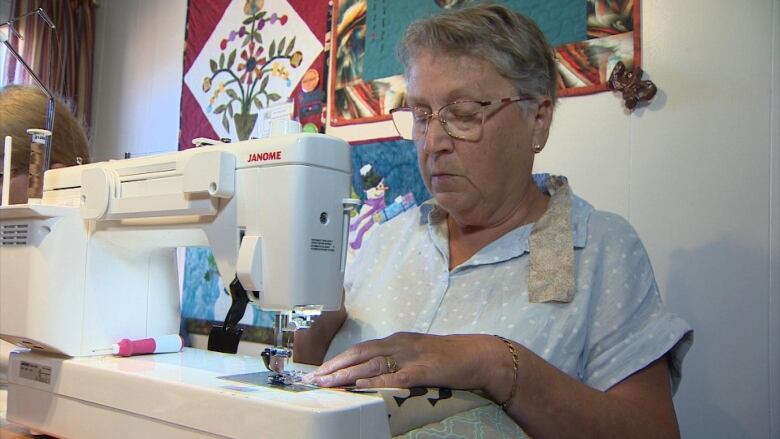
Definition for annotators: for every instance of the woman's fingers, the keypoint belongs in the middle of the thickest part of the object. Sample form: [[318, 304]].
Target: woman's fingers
[[356, 354], [401, 360], [403, 379], [349, 375]]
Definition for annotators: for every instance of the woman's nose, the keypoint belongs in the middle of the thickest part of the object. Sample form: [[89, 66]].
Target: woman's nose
[[436, 137]]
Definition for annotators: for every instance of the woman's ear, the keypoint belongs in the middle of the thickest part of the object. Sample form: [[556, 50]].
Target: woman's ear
[[542, 121]]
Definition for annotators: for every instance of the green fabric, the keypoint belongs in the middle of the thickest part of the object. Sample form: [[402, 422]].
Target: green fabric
[[562, 21], [487, 422]]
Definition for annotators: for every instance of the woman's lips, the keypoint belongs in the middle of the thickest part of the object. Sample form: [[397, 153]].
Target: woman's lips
[[442, 178]]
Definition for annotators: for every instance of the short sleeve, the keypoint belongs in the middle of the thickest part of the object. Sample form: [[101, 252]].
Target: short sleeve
[[628, 325]]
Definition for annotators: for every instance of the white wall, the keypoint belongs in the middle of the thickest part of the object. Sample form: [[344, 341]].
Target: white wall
[[694, 173], [139, 50], [697, 173]]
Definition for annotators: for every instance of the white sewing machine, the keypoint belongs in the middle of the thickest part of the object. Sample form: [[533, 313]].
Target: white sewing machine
[[94, 262]]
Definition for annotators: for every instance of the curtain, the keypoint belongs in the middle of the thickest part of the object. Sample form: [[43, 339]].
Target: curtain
[[63, 59]]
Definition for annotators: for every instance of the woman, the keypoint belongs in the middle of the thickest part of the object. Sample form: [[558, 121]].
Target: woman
[[23, 108], [583, 347]]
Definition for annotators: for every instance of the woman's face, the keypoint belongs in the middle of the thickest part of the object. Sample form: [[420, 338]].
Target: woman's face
[[476, 182], [18, 188]]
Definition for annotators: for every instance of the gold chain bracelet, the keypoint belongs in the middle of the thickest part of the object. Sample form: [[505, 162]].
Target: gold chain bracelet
[[515, 361]]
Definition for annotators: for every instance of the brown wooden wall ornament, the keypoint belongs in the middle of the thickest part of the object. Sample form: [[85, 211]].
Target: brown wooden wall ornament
[[631, 85]]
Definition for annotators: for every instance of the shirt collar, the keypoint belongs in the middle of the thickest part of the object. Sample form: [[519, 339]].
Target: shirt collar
[[516, 242]]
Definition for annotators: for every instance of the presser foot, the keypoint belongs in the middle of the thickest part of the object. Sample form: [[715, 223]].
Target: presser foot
[[275, 359], [285, 378]]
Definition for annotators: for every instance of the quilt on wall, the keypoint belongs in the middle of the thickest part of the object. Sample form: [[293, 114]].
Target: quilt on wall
[[589, 38], [385, 178], [245, 61], [243, 58]]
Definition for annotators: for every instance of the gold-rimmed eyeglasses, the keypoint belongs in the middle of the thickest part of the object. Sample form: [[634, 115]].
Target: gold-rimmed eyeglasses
[[460, 119]]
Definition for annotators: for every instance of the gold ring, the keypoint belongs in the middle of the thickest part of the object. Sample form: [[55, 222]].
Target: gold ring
[[392, 366]]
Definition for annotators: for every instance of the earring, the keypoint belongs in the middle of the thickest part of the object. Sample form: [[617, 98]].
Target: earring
[[538, 148]]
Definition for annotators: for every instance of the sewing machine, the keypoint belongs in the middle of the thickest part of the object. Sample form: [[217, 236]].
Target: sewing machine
[[94, 262]]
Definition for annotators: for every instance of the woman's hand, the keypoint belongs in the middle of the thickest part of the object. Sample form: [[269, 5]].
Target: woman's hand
[[483, 362], [408, 359]]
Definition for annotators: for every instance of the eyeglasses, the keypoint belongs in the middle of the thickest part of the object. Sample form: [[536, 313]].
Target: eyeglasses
[[460, 119]]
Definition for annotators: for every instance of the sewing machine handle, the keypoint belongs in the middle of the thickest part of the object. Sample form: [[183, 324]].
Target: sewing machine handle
[[205, 178]]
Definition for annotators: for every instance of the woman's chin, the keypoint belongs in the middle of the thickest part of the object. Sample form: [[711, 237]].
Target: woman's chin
[[451, 201]]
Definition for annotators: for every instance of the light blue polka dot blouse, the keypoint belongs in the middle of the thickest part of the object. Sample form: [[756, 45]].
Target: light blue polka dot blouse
[[614, 326]]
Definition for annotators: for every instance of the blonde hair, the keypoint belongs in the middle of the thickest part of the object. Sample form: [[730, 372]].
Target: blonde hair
[[24, 107], [509, 41]]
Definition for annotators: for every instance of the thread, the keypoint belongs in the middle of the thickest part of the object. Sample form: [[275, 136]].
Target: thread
[[35, 182], [38, 164]]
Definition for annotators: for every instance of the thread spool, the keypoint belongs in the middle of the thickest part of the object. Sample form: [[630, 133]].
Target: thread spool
[[37, 165], [35, 179]]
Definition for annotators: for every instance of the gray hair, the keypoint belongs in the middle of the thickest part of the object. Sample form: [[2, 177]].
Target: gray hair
[[511, 42]]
